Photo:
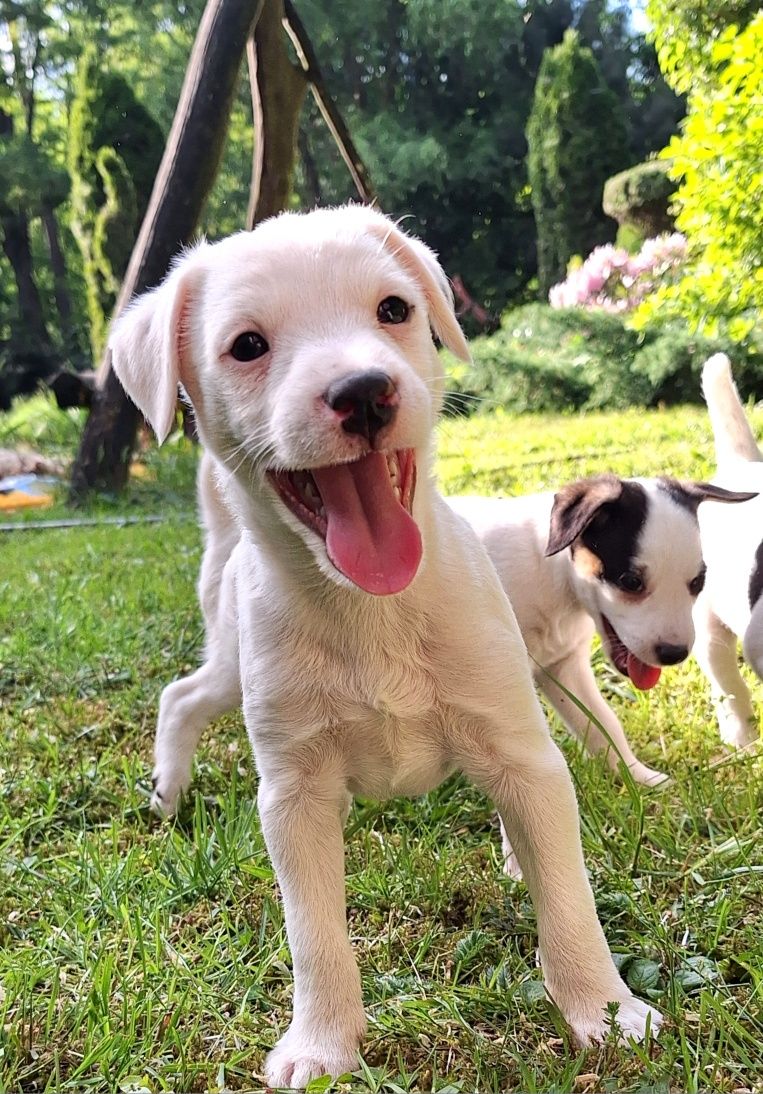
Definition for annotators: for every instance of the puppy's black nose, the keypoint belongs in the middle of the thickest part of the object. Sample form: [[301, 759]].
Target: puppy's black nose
[[670, 655], [366, 402]]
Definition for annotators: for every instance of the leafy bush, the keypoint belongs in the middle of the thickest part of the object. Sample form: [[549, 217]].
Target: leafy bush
[[685, 36], [640, 197], [546, 359], [570, 155], [719, 200], [671, 360]]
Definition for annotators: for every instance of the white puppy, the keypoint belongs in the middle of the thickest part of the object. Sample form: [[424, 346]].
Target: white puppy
[[617, 556], [731, 605], [356, 615]]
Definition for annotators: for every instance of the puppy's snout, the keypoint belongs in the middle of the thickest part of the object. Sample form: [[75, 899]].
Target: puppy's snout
[[365, 401], [668, 654]]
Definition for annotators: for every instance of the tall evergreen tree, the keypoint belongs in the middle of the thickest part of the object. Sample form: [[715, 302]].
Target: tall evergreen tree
[[114, 151], [576, 139]]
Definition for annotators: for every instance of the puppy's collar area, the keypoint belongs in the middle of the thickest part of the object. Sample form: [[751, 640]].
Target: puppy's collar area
[[641, 674], [363, 512]]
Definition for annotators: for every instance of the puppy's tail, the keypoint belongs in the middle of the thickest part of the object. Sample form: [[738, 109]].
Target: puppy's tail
[[734, 439]]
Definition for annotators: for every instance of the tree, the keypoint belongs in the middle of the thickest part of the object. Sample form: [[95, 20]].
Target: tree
[[186, 173], [717, 161], [686, 34], [114, 150], [630, 69], [576, 140]]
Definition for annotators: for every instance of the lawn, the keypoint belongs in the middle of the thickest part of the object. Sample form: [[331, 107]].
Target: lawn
[[137, 954]]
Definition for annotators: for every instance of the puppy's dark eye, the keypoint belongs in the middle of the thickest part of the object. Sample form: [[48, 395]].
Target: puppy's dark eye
[[631, 582], [249, 346], [697, 584], [392, 310]]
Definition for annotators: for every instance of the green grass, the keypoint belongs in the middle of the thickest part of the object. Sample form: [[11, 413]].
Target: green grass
[[136, 954]]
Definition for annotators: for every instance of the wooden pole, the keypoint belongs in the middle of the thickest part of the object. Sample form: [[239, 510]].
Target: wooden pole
[[333, 119], [278, 91], [186, 174]]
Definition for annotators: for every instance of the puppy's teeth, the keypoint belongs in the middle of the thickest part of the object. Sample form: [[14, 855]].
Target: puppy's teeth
[[398, 493]]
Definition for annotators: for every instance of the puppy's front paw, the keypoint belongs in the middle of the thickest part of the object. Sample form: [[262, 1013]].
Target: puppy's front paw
[[297, 1059], [737, 732], [591, 1025], [168, 785], [647, 776], [511, 867]]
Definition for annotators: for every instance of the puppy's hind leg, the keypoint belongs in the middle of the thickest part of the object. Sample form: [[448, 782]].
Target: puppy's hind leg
[[188, 705], [716, 651], [570, 686], [752, 647], [591, 718]]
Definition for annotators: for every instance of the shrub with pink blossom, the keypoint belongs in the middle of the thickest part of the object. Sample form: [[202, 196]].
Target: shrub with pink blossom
[[615, 281]]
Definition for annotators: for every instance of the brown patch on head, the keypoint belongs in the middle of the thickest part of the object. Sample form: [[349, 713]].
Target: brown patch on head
[[600, 520], [586, 562], [576, 505]]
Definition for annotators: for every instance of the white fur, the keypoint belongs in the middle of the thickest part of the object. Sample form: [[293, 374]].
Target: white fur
[[344, 692], [730, 539]]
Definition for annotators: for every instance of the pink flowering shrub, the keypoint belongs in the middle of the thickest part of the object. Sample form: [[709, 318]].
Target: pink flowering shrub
[[617, 282]]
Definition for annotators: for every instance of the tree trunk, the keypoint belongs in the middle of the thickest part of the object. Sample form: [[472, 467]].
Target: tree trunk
[[278, 91], [185, 177], [310, 168], [18, 251], [333, 119], [60, 284]]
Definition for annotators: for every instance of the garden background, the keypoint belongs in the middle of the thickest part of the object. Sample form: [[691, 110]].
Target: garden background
[[140, 955]]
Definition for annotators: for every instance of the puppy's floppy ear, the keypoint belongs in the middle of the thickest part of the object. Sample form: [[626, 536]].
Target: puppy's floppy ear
[[421, 263], [576, 505], [691, 494], [146, 344]]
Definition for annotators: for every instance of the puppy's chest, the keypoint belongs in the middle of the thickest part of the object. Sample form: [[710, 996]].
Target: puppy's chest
[[308, 679], [378, 706]]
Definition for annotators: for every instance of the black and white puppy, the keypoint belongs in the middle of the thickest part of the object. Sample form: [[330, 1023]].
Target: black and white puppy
[[621, 557], [731, 606]]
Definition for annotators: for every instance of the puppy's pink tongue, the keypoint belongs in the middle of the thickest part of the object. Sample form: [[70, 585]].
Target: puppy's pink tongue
[[371, 538], [643, 676]]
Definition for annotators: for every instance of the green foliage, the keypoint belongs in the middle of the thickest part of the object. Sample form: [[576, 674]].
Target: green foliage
[[570, 155], [640, 196], [114, 151], [116, 219], [718, 160], [548, 359], [686, 34], [437, 94], [31, 180]]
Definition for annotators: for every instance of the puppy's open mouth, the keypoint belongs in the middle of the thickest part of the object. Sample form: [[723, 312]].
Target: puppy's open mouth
[[644, 676], [363, 512]]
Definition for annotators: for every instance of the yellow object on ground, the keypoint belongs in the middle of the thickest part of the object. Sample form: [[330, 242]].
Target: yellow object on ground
[[17, 499], [140, 471]]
